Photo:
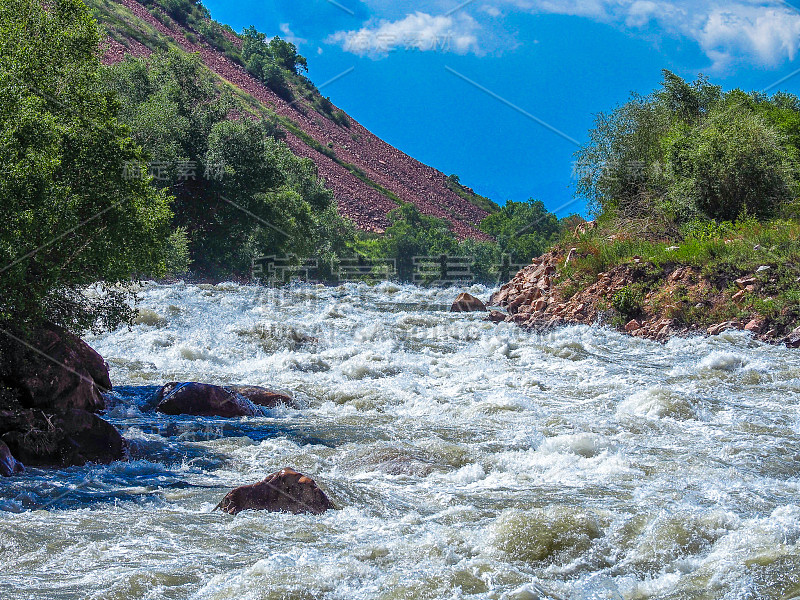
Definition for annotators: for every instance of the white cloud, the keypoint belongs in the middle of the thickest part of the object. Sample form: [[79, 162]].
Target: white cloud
[[763, 32], [419, 31], [289, 36]]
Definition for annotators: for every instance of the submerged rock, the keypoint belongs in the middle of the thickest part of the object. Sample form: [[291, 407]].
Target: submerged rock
[[467, 303], [8, 464], [284, 491], [206, 400], [263, 396]]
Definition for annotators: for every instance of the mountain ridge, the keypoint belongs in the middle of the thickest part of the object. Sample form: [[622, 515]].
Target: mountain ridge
[[367, 175]]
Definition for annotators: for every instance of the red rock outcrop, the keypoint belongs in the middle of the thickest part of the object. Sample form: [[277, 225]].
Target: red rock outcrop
[[535, 299]]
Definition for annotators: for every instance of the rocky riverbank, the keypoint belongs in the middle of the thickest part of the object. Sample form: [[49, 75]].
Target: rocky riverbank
[[640, 299]]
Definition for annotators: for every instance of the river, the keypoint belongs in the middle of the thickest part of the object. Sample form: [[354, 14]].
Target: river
[[465, 459]]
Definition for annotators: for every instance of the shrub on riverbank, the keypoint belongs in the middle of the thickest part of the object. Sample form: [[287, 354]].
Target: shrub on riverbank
[[697, 185]]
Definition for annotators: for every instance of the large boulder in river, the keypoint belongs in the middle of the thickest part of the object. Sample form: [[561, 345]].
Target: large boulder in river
[[58, 371], [284, 491], [51, 383], [467, 303], [72, 437], [206, 400], [8, 464]]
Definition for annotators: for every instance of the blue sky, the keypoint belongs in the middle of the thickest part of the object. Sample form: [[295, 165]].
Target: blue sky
[[499, 92]]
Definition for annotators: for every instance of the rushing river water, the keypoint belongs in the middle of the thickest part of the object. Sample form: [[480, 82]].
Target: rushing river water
[[466, 460]]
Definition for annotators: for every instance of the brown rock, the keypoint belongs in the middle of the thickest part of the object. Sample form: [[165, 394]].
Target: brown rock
[[633, 325], [495, 316], [540, 304], [74, 437], [743, 282], [793, 339], [518, 301], [284, 491], [755, 325], [8, 464], [500, 297], [467, 303], [59, 371], [720, 327], [263, 396], [203, 400], [738, 296]]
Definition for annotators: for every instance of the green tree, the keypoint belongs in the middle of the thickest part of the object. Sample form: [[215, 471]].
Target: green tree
[[271, 62], [249, 195], [734, 164], [71, 215], [688, 150], [285, 55], [413, 233], [523, 230]]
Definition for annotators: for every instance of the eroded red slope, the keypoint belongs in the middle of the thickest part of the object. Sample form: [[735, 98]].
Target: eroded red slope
[[407, 178]]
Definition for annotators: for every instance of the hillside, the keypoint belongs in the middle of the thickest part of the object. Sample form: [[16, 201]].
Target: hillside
[[368, 177]]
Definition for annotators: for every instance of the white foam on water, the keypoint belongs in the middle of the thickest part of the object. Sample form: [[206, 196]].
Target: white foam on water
[[465, 459]]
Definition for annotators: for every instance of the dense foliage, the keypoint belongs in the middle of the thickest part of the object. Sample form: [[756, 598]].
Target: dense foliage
[[690, 150], [239, 191], [696, 179], [523, 230], [70, 217], [154, 166], [271, 61]]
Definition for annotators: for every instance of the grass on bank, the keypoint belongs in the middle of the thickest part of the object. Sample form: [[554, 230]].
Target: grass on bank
[[720, 253]]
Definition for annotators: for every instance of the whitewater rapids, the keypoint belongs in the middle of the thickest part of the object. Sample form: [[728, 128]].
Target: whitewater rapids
[[466, 459]]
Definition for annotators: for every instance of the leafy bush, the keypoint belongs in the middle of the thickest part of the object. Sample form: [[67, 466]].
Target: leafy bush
[[689, 151], [248, 195], [627, 301], [523, 230], [704, 229], [178, 256], [733, 164], [411, 234], [271, 62]]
